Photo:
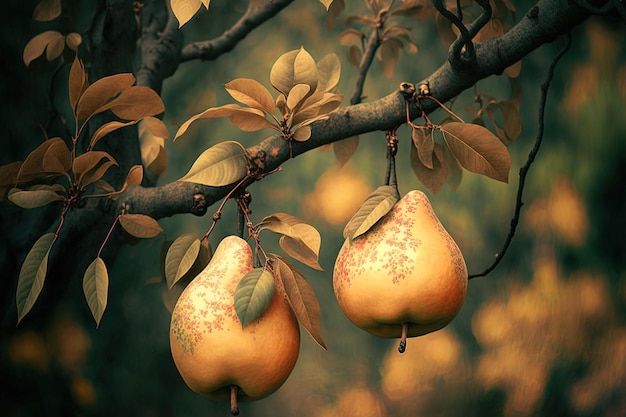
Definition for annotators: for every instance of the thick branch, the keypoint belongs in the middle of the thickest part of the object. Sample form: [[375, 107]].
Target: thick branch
[[256, 14], [546, 21]]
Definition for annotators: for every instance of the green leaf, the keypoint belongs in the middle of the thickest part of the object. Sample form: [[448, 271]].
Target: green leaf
[[478, 150], [375, 206], [34, 198], [221, 164], [253, 294], [96, 288], [140, 225], [301, 297], [33, 274], [180, 257], [251, 93]]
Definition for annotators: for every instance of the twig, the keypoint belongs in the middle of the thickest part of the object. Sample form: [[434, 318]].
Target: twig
[[523, 172], [252, 18], [369, 53]]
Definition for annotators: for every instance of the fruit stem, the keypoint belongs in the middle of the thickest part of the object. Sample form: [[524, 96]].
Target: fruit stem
[[234, 408], [405, 331]]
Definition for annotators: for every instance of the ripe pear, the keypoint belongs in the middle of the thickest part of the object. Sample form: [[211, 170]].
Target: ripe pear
[[404, 277], [216, 357]]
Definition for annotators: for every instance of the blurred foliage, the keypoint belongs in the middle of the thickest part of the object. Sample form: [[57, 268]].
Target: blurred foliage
[[544, 334]]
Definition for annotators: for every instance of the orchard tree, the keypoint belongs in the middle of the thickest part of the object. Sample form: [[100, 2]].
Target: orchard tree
[[92, 165]]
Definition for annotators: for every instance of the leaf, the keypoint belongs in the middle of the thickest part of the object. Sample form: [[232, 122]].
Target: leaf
[[77, 83], [180, 257], [302, 134], [159, 165], [88, 167], [351, 36], [73, 40], [96, 288], [184, 10], [329, 72], [58, 158], [478, 150], [424, 142], [293, 68], [300, 240], [140, 225], [230, 111], [375, 206], [389, 54], [47, 10], [9, 173], [33, 274], [55, 48], [107, 128], [251, 93], [354, 55], [296, 96], [301, 297], [152, 133], [221, 164], [253, 294], [455, 172], [326, 3], [33, 167], [32, 199], [316, 107], [134, 177], [432, 177], [345, 148], [135, 103], [97, 95], [37, 45]]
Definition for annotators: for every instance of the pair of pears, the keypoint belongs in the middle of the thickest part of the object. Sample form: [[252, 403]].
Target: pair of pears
[[405, 277]]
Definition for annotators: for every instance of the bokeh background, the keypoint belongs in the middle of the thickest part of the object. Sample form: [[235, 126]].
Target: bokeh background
[[544, 334]]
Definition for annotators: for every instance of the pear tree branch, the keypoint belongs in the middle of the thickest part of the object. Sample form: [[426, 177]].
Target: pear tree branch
[[256, 14], [542, 24]]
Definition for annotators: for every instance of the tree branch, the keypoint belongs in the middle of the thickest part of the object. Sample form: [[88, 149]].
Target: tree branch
[[255, 15], [547, 20]]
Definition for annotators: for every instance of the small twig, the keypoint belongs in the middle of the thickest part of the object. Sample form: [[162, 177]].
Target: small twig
[[372, 45], [523, 172]]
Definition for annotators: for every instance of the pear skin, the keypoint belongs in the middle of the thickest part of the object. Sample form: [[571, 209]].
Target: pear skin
[[406, 270], [210, 348]]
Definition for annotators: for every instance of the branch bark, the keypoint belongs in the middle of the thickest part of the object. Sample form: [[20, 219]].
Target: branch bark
[[542, 24]]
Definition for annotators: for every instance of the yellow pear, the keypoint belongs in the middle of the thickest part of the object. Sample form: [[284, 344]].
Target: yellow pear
[[216, 357], [404, 277]]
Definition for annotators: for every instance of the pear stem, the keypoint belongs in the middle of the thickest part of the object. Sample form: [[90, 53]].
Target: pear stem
[[392, 150], [234, 408], [405, 331]]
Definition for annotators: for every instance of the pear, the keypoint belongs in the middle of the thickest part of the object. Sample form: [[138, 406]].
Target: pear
[[215, 356], [404, 277]]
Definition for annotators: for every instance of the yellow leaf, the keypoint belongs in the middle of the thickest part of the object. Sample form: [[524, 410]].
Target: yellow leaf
[[184, 10], [251, 93], [140, 225], [326, 3]]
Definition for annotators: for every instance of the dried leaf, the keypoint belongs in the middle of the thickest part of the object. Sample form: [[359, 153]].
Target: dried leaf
[[251, 93], [455, 172], [57, 158], [432, 177], [107, 128], [221, 164], [33, 198], [228, 110], [37, 45], [250, 120], [33, 167], [47, 10], [96, 288], [135, 103], [478, 150], [301, 297], [184, 10], [140, 225], [181, 256], [89, 167], [55, 48], [253, 295], [33, 274], [375, 207]]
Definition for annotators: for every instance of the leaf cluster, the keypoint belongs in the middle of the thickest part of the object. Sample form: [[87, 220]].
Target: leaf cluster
[[307, 92]]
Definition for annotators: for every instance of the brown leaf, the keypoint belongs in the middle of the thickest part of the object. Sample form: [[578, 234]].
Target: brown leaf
[[107, 128], [55, 48], [33, 167], [432, 177], [135, 103], [37, 45], [9, 172], [89, 168], [424, 141], [140, 225], [73, 40], [47, 10], [389, 54], [301, 297], [97, 95], [344, 149], [251, 93], [78, 82], [155, 126], [351, 36], [58, 158], [478, 150], [354, 55], [293, 68], [230, 111], [455, 172], [159, 164], [329, 71]]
